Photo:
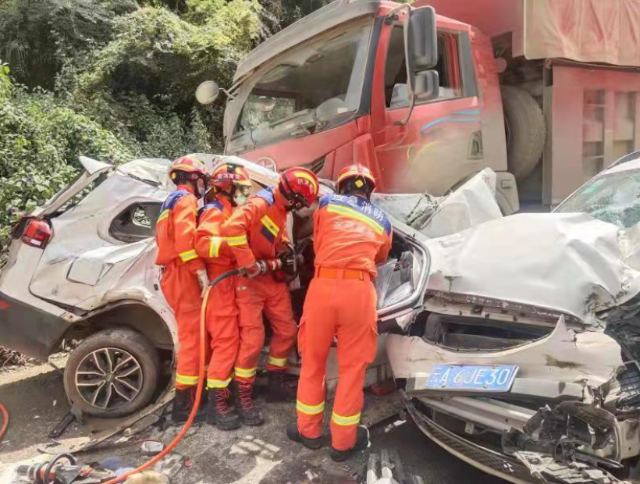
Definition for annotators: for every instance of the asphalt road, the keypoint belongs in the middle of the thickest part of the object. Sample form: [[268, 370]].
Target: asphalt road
[[36, 403]]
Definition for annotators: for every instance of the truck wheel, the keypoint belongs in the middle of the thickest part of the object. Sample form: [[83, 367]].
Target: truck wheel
[[112, 373], [525, 129]]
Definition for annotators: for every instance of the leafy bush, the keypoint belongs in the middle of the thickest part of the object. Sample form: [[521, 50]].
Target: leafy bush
[[36, 34], [40, 143], [160, 55]]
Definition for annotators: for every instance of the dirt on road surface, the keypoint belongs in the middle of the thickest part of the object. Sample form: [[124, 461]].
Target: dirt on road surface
[[34, 397]]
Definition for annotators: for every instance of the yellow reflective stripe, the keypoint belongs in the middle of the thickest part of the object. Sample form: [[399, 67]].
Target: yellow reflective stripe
[[340, 420], [308, 177], [349, 173], [238, 240], [309, 409], [281, 362], [349, 212], [270, 225], [182, 166], [164, 215], [213, 383], [214, 248], [186, 379], [245, 372], [188, 255]]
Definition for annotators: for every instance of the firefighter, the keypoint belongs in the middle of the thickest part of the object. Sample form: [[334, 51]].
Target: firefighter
[[184, 275], [259, 229], [351, 235], [229, 187]]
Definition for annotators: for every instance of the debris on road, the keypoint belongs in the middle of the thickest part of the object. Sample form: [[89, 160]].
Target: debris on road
[[148, 477], [386, 468], [151, 447]]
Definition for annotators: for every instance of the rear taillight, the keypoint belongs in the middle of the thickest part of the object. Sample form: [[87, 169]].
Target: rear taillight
[[37, 233]]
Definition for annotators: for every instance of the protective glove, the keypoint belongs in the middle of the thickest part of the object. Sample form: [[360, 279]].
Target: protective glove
[[261, 267], [203, 280]]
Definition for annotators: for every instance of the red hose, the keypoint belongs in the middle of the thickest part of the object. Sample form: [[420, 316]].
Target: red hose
[[194, 411], [5, 424]]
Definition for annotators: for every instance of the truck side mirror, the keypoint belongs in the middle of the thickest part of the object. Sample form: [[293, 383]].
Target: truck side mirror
[[422, 39], [207, 92], [427, 86]]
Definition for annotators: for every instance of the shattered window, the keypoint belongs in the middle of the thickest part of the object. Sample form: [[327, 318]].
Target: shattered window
[[614, 198]]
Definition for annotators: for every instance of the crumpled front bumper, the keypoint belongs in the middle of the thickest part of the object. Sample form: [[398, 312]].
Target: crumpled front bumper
[[528, 467], [557, 367], [498, 433]]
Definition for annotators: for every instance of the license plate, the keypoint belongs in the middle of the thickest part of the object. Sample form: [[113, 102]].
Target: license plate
[[476, 378]]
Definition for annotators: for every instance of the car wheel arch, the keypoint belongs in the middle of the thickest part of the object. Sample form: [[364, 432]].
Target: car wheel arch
[[126, 314]]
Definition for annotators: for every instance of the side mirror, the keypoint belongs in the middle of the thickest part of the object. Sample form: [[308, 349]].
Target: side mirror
[[422, 39], [207, 92], [427, 86]]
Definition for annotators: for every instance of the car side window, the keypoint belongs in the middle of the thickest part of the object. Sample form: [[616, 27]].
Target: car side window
[[136, 222], [448, 67]]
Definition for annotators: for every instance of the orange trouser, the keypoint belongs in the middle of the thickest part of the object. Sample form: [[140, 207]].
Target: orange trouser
[[346, 308], [222, 326], [253, 296], [182, 291]]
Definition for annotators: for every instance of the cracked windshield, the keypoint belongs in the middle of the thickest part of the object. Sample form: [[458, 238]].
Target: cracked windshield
[[614, 198], [311, 89]]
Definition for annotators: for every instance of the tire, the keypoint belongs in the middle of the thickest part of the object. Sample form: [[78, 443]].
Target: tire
[[525, 129], [124, 362]]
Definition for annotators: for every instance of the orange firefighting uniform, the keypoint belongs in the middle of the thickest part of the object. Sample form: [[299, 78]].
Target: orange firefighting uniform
[[222, 312], [175, 233], [261, 225], [351, 235]]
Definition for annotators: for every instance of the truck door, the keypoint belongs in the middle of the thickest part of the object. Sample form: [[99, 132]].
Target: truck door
[[441, 145]]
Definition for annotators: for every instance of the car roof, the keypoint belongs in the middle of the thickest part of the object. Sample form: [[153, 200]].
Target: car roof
[[627, 162]]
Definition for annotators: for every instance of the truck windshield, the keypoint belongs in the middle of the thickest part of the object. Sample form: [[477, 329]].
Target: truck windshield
[[316, 87]]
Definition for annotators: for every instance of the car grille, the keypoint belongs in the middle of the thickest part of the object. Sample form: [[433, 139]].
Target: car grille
[[505, 466]]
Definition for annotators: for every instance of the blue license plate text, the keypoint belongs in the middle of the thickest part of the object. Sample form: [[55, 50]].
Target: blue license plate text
[[478, 378]]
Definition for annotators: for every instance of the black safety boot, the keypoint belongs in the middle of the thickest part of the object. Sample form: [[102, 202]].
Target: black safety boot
[[249, 412], [282, 388], [294, 434], [183, 403], [219, 412], [362, 442]]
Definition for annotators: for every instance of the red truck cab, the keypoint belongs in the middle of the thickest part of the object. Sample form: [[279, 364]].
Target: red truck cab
[[332, 89]]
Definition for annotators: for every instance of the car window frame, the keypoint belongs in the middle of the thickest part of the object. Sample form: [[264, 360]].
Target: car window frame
[[134, 238]]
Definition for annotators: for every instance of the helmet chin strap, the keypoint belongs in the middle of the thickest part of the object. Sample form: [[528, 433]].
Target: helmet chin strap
[[296, 201]]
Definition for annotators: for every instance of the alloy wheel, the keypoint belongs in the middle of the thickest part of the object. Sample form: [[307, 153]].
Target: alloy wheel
[[109, 378]]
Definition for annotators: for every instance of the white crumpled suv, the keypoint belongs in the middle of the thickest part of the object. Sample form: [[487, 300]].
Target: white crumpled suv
[[82, 267]]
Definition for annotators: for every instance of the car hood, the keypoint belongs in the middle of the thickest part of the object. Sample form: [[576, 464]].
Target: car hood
[[570, 263]]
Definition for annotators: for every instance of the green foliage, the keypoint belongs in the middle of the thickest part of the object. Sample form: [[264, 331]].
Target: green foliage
[[40, 143], [35, 33], [160, 55], [279, 14]]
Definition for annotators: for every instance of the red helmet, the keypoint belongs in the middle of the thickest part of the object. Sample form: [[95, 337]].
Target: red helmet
[[187, 164], [360, 175], [227, 175], [300, 186]]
